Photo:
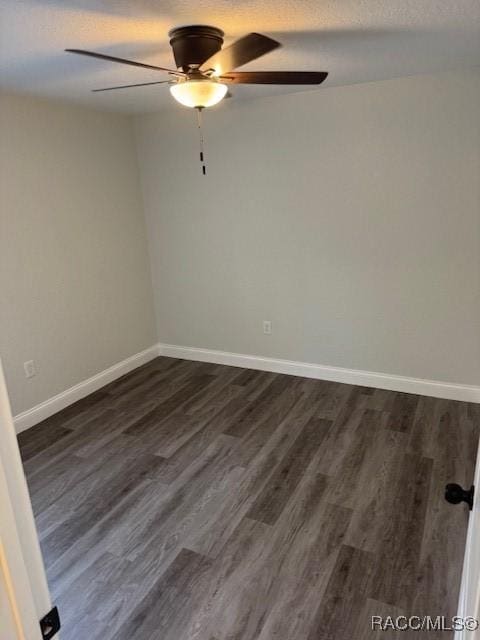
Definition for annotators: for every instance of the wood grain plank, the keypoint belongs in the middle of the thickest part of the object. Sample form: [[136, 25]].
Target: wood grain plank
[[165, 612], [39, 438], [272, 499], [90, 510], [223, 522], [346, 488], [402, 413], [151, 421], [304, 574], [258, 408], [345, 596], [398, 551]]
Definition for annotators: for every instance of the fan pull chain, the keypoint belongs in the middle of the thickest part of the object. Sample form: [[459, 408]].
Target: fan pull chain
[[200, 131]]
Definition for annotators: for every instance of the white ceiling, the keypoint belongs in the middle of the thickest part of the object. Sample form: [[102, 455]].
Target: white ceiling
[[355, 40]]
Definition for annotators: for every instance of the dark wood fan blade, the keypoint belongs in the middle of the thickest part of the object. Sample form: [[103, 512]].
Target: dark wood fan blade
[[129, 86], [244, 50], [102, 56], [274, 77]]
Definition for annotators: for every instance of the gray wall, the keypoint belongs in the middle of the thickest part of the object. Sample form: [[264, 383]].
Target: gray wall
[[349, 217], [74, 275]]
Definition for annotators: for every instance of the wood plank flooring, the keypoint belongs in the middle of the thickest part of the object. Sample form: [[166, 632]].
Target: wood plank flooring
[[191, 501]]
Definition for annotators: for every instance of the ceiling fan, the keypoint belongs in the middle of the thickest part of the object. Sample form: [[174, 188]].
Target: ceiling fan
[[204, 70]]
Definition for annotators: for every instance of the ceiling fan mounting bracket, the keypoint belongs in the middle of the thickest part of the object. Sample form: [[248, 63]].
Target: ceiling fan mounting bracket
[[194, 44]]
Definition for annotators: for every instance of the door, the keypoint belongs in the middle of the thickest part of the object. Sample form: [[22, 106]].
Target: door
[[24, 596], [469, 603], [18, 619]]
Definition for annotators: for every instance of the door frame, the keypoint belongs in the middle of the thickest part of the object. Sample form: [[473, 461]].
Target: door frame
[[21, 562], [469, 599]]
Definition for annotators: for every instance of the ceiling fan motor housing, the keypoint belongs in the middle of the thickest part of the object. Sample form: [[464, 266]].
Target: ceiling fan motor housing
[[195, 44]]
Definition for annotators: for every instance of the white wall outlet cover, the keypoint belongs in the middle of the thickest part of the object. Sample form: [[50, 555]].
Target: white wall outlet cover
[[267, 327], [29, 368]]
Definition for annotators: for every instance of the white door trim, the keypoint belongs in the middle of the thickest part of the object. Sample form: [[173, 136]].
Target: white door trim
[[17, 603], [469, 600], [22, 562]]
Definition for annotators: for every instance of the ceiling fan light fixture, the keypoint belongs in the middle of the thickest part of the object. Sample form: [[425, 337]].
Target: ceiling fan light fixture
[[198, 93]]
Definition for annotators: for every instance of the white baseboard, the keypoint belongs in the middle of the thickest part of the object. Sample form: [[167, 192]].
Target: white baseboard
[[434, 388], [36, 414], [391, 382]]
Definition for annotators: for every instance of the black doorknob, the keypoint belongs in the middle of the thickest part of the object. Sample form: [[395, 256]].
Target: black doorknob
[[455, 494]]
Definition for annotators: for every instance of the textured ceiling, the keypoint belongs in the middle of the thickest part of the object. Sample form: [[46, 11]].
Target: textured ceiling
[[355, 40]]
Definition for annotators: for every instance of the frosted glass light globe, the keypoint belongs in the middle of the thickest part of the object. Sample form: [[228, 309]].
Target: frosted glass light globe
[[198, 93]]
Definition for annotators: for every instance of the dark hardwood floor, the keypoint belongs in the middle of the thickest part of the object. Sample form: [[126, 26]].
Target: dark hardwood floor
[[191, 501]]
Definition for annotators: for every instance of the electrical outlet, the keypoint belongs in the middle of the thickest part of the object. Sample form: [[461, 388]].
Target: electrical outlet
[[30, 369], [267, 327]]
